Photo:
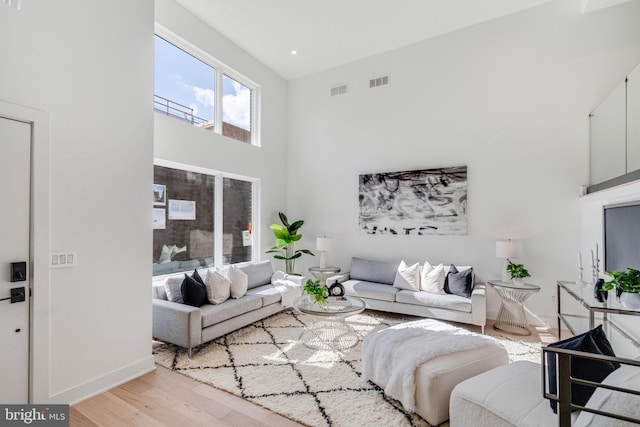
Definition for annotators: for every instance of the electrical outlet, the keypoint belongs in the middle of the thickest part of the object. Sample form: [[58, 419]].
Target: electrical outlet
[[63, 259]]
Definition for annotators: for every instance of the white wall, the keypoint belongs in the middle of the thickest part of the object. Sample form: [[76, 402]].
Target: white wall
[[509, 98], [89, 65], [180, 142]]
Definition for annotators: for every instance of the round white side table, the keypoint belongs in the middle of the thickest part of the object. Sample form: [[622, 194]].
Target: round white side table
[[511, 317]]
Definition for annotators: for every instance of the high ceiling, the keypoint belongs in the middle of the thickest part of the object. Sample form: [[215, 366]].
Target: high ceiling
[[328, 33]]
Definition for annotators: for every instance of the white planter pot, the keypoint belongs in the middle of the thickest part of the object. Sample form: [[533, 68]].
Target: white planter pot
[[630, 300], [519, 281]]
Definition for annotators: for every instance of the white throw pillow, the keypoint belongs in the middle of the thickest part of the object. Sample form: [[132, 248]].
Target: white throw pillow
[[432, 278], [239, 281], [172, 288], [218, 287], [408, 277]]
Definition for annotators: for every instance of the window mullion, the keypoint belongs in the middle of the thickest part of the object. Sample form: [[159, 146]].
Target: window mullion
[[218, 232], [218, 101]]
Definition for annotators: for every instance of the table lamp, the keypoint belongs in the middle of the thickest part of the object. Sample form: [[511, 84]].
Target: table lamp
[[507, 250], [323, 244]]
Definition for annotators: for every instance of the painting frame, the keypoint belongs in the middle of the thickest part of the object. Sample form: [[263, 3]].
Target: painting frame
[[159, 195], [417, 202]]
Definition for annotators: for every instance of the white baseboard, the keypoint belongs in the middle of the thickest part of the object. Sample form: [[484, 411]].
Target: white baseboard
[[89, 389]]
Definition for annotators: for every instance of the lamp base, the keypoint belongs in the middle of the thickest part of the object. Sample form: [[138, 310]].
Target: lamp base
[[323, 259]]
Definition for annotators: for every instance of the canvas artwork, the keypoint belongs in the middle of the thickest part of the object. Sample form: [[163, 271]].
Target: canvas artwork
[[421, 202]]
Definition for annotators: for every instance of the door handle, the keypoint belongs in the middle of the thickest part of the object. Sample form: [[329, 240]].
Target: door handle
[[17, 295]]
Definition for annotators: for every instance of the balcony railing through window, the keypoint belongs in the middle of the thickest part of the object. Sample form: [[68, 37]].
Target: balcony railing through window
[[179, 111]]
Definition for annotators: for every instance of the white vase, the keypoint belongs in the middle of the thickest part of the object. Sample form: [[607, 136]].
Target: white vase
[[518, 281], [630, 300]]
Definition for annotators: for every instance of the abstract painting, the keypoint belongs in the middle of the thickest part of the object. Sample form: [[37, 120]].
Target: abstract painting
[[421, 202]]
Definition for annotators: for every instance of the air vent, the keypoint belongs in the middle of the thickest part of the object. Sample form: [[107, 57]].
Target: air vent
[[378, 81], [339, 90]]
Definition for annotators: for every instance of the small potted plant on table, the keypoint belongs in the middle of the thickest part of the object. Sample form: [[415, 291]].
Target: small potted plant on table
[[627, 286], [317, 292], [517, 272]]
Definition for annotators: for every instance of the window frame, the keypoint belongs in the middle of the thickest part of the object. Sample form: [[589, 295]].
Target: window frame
[[221, 69], [218, 207]]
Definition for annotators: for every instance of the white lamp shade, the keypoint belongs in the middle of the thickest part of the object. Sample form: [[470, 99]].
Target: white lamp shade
[[508, 249], [324, 243]]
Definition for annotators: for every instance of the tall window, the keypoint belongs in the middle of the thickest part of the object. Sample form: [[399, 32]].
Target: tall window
[[200, 220], [193, 87]]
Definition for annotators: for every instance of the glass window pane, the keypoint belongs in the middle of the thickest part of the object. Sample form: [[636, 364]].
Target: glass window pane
[[183, 220], [184, 85], [237, 240], [236, 109]]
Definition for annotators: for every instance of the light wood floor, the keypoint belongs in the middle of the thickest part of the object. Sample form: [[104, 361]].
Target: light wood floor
[[166, 398]]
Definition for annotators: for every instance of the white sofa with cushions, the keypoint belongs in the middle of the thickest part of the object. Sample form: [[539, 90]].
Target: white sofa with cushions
[[267, 292], [383, 288]]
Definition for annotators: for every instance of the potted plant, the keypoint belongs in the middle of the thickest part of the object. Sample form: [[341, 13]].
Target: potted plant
[[517, 272], [627, 285], [286, 235], [318, 292]]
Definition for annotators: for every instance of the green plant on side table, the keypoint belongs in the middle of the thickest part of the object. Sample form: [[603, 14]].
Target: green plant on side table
[[286, 235], [317, 291], [517, 272], [627, 286]]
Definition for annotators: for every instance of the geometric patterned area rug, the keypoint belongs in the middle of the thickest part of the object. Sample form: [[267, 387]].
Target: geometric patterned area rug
[[267, 365]]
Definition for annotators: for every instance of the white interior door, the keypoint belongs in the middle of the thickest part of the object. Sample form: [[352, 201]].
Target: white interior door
[[15, 190]]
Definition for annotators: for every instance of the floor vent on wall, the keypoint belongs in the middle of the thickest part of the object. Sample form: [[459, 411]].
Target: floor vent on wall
[[339, 90], [378, 81]]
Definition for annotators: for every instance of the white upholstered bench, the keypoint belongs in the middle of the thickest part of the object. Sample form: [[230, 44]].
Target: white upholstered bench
[[444, 355]]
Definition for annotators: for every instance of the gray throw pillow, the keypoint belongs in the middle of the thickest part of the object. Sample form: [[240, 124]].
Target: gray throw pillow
[[459, 282], [172, 288]]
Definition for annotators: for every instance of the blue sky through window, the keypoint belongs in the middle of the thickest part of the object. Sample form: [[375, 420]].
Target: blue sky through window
[[184, 79]]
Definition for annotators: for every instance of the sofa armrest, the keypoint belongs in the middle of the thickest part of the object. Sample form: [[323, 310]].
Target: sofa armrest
[[298, 280], [339, 278], [178, 324], [479, 304]]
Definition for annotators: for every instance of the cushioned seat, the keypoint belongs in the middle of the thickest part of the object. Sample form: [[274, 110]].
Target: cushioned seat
[[459, 355], [508, 396], [212, 314], [364, 289], [268, 293], [452, 302]]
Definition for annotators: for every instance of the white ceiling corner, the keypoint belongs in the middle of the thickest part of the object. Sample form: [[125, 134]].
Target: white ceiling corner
[[328, 33]]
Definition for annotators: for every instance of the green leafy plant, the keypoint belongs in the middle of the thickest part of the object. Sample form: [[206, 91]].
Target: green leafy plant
[[318, 291], [517, 271], [628, 281], [286, 235]]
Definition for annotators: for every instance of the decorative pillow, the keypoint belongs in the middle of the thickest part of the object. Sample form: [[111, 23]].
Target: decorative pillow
[[407, 277], [594, 341], [193, 292], [459, 282], [172, 288], [196, 276], [239, 282], [432, 278], [626, 404], [218, 287]]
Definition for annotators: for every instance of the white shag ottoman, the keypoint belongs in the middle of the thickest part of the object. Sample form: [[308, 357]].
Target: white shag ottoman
[[419, 363]]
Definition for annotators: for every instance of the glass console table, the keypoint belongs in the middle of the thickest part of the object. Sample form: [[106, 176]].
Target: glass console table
[[578, 321]]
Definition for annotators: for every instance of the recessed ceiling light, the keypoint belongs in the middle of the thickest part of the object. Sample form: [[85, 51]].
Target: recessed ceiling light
[[294, 52]]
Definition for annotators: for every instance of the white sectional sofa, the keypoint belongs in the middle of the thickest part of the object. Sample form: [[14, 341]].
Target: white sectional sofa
[[188, 326], [373, 281]]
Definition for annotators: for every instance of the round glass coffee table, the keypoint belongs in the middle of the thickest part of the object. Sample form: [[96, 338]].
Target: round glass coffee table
[[329, 329]]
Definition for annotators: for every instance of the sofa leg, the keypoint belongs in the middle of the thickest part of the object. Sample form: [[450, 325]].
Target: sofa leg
[[189, 351], [482, 327]]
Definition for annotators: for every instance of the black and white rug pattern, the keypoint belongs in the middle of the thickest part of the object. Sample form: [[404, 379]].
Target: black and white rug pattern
[[266, 364]]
